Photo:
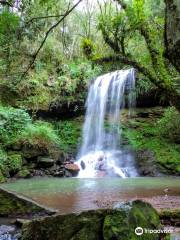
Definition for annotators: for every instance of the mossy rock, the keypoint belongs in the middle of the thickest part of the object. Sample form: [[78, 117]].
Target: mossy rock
[[122, 224], [13, 205], [172, 216], [2, 178], [103, 224], [23, 173], [14, 162], [84, 226], [33, 151]]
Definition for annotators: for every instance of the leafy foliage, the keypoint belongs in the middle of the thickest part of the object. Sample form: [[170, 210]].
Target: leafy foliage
[[169, 125], [39, 134], [149, 134], [69, 131], [12, 123], [88, 47]]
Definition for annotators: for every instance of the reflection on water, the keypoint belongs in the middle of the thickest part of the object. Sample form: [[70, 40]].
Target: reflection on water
[[74, 195]]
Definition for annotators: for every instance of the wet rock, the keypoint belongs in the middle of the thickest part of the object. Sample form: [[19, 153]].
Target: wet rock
[[45, 162], [59, 173], [104, 224], [36, 172], [9, 232], [83, 165], [59, 156], [72, 168], [146, 163], [67, 173]]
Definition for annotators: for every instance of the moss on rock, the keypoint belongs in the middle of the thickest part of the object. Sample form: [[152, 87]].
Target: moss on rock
[[122, 224], [2, 178], [23, 173], [14, 162], [154, 151], [12, 205], [105, 224]]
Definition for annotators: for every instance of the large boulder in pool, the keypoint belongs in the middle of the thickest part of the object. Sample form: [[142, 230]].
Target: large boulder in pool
[[72, 168], [104, 224]]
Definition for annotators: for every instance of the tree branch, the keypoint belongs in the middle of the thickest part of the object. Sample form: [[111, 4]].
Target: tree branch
[[47, 34], [6, 3], [130, 62], [43, 17]]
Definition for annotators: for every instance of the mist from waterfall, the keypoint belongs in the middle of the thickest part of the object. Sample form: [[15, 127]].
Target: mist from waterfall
[[101, 150]]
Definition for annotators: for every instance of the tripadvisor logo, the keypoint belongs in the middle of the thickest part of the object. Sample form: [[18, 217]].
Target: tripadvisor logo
[[139, 231]]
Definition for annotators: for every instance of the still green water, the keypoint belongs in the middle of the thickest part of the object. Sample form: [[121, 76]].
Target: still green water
[[77, 194], [68, 185]]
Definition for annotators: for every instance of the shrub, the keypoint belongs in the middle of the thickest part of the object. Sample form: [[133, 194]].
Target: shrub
[[12, 123], [14, 162], [69, 133], [88, 47], [3, 160], [169, 125], [39, 134], [9, 163]]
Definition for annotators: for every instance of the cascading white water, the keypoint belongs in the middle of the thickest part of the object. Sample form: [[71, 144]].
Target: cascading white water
[[100, 153]]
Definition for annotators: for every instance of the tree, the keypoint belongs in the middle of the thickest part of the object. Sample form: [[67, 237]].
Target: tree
[[21, 28], [135, 34], [172, 32]]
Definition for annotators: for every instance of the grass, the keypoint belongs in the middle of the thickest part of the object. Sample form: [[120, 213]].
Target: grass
[[146, 134], [41, 134]]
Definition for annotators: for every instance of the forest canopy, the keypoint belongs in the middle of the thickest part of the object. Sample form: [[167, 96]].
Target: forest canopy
[[62, 44]]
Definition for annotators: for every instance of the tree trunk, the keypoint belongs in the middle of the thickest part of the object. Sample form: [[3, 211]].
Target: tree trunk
[[172, 32]]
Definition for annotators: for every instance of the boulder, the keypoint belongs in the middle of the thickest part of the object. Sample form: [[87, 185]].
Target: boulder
[[145, 160], [103, 224], [45, 162], [23, 173], [13, 205], [72, 168], [32, 152]]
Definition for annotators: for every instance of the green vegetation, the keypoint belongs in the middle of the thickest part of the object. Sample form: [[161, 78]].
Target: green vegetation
[[12, 205], [49, 57], [160, 137], [39, 134], [18, 132], [169, 125], [69, 131], [97, 224], [12, 123], [21, 137]]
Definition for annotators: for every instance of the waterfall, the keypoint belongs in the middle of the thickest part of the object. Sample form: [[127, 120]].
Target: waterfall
[[101, 152]]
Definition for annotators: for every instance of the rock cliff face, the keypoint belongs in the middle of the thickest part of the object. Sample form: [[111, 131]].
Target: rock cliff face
[[172, 32]]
